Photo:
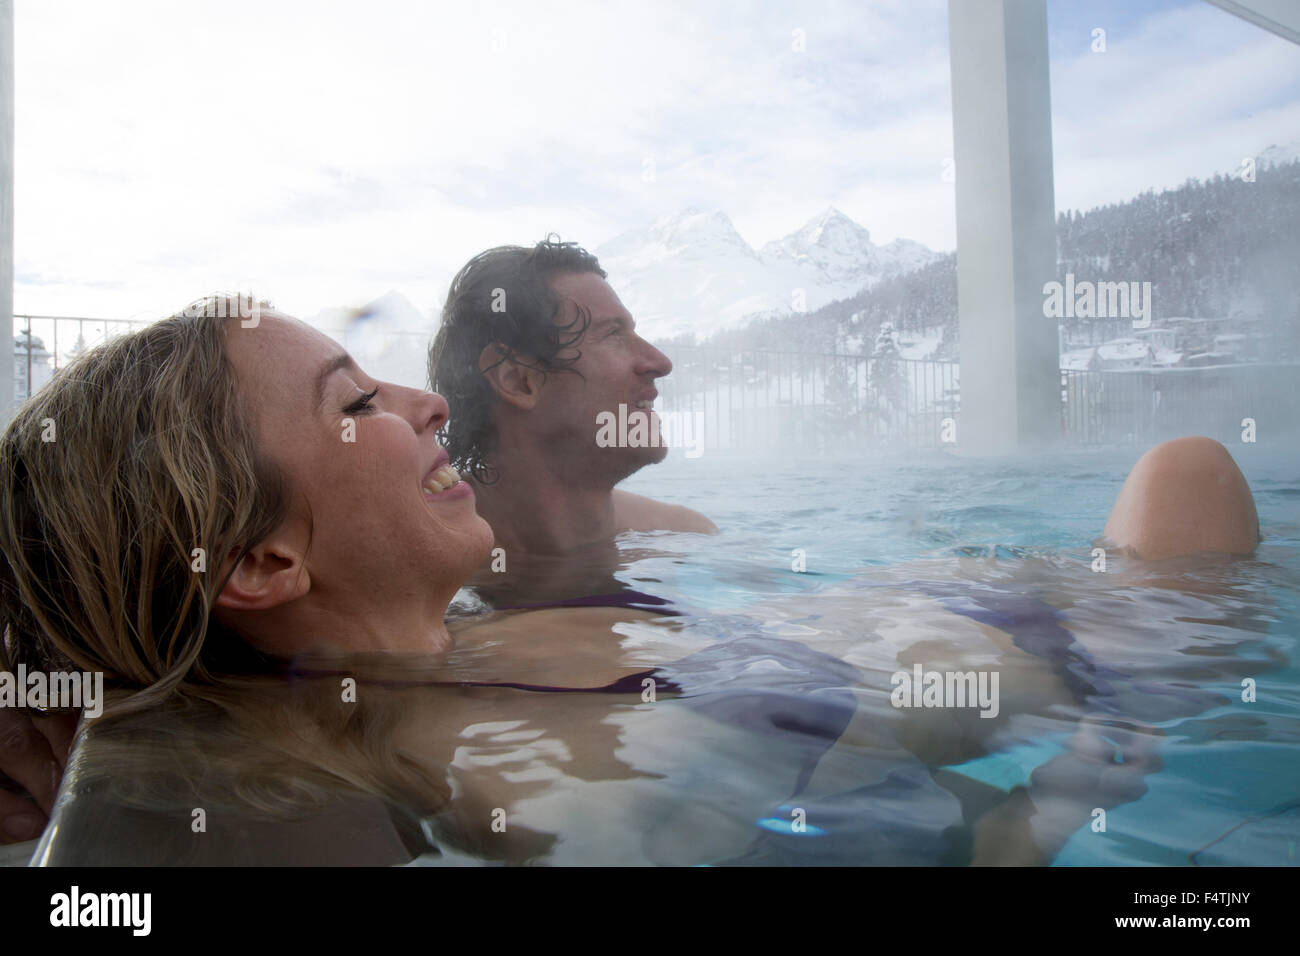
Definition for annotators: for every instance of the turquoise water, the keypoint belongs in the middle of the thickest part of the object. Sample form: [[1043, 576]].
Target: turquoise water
[[1200, 776]]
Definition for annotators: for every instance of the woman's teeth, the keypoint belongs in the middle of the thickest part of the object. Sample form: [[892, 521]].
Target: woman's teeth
[[441, 480]]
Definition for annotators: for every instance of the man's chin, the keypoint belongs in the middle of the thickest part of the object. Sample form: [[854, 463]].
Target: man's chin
[[656, 454], [629, 461]]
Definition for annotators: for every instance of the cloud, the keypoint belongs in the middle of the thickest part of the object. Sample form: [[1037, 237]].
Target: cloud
[[1187, 92], [324, 153]]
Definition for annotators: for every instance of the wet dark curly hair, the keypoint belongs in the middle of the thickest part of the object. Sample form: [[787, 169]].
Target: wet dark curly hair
[[501, 296]]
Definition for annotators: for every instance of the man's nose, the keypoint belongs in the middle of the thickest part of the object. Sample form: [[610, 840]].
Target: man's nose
[[653, 361]]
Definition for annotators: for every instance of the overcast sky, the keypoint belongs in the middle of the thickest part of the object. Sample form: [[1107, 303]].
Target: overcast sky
[[325, 153]]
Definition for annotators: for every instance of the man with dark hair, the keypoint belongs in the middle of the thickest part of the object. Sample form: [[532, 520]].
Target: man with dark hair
[[534, 345]]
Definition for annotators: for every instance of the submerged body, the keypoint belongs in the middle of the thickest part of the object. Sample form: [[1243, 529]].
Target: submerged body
[[771, 736]]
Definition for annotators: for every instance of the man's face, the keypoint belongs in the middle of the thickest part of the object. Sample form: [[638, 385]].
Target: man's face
[[616, 367]]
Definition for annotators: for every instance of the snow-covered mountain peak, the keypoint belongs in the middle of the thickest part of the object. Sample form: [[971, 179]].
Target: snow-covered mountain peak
[[833, 251], [691, 227], [691, 271], [688, 232], [830, 228]]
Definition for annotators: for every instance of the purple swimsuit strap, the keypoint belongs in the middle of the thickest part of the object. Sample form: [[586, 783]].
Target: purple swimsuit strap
[[636, 600]]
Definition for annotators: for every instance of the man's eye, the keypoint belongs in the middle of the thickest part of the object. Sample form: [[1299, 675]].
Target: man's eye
[[362, 404]]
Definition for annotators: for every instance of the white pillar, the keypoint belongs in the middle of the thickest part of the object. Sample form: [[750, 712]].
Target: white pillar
[[6, 211], [1006, 225]]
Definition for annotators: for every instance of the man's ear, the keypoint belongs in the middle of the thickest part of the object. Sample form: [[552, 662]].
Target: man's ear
[[513, 381], [270, 574]]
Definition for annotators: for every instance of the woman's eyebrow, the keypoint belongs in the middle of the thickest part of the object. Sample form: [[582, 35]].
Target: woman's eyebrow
[[340, 361]]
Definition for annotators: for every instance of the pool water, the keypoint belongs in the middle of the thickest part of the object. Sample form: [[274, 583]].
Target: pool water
[[1140, 714], [1122, 698]]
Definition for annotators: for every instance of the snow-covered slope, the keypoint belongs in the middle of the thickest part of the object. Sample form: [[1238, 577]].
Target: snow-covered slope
[[692, 272], [1280, 154]]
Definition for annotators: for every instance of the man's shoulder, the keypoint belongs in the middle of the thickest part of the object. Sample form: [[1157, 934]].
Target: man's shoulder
[[639, 513]]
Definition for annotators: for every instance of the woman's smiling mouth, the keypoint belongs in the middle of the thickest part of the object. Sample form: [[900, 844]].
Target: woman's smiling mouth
[[441, 480]]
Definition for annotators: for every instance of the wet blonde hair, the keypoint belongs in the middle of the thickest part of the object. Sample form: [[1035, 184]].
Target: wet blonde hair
[[112, 477]]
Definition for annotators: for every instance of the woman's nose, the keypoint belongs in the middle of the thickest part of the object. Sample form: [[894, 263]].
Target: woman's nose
[[430, 410]]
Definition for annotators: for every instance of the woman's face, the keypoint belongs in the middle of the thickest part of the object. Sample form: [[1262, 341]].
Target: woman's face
[[362, 461]]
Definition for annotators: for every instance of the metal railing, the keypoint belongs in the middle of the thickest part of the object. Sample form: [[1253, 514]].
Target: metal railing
[[1144, 406], [816, 401], [825, 402], [44, 343]]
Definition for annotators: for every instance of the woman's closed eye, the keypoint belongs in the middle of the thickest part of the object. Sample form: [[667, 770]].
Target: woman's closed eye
[[362, 404]]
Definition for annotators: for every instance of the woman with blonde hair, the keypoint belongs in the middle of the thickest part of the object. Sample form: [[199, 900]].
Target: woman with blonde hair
[[144, 528]]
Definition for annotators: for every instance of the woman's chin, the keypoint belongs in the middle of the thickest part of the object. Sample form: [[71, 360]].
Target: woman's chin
[[478, 549]]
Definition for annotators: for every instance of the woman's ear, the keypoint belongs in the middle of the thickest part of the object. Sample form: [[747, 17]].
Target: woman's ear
[[270, 574], [512, 380]]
